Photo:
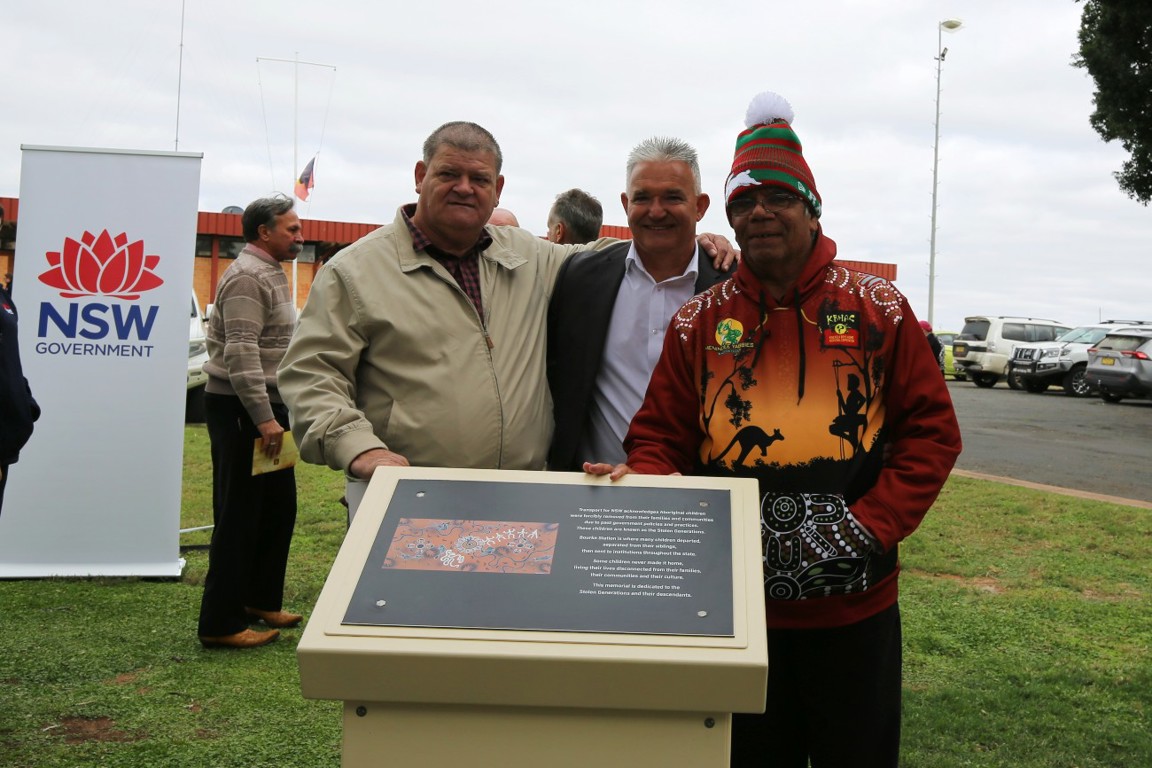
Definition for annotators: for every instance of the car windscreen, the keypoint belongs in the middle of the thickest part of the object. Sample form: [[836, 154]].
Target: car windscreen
[[975, 329], [1122, 343], [1092, 336], [1082, 334]]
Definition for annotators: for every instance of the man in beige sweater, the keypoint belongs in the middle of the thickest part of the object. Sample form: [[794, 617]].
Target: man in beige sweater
[[248, 332]]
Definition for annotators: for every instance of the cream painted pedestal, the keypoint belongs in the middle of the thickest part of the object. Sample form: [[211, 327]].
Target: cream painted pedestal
[[492, 697], [406, 734]]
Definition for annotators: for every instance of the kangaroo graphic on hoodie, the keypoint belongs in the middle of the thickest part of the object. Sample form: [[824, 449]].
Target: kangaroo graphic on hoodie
[[750, 437]]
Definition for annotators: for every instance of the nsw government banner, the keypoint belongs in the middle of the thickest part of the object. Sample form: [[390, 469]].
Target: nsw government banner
[[102, 280]]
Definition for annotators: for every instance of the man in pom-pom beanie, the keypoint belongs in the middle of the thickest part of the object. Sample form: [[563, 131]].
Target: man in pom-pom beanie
[[816, 380]]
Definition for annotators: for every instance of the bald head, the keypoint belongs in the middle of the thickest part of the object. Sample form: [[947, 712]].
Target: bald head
[[502, 217]]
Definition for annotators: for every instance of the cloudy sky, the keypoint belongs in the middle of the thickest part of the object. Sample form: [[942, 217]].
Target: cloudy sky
[[1030, 220]]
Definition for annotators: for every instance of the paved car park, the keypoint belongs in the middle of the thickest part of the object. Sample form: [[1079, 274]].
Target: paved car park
[[1077, 443]]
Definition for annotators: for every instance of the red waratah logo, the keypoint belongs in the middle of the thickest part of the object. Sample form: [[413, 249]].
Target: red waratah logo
[[102, 265]]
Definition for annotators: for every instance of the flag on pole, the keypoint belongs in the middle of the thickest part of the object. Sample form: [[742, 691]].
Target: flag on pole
[[306, 181]]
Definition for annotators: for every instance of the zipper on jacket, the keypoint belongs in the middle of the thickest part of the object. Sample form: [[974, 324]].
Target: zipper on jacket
[[483, 320]]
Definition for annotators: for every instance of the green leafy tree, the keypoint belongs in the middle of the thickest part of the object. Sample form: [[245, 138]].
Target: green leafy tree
[[1116, 49]]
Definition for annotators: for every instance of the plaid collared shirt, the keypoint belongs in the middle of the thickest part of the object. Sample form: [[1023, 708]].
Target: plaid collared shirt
[[464, 269]]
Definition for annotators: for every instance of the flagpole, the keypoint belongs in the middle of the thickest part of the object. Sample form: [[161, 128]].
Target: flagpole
[[295, 62], [179, 77]]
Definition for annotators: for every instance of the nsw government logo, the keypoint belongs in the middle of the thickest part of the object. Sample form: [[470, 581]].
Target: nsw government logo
[[104, 272]]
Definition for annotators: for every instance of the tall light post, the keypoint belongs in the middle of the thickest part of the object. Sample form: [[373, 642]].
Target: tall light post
[[950, 25]]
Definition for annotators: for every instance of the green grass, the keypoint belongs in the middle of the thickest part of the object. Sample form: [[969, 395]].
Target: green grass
[[109, 672], [1027, 632]]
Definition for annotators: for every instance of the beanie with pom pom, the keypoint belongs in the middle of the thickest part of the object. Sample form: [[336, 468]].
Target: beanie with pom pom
[[768, 153]]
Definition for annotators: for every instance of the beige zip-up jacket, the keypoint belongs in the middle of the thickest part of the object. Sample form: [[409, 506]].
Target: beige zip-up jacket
[[390, 353]]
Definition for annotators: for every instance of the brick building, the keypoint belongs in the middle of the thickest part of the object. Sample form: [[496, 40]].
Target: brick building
[[219, 238]]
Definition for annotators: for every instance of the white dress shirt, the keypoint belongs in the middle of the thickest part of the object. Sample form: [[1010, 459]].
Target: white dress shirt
[[635, 338]]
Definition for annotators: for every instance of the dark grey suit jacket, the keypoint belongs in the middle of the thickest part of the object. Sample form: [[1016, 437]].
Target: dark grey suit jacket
[[578, 317]]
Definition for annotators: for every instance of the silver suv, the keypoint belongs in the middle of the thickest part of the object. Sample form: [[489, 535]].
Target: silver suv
[[984, 346], [1121, 365], [1064, 361]]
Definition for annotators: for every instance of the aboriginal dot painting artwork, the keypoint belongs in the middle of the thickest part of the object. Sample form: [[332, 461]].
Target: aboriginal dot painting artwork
[[478, 546]]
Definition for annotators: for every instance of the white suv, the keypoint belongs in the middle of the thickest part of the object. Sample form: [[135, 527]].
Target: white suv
[[1063, 361], [197, 356], [983, 348]]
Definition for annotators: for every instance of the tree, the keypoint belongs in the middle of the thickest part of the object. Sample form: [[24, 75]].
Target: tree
[[1116, 49]]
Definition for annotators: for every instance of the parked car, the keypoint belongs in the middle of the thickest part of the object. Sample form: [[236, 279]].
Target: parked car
[[197, 356], [1064, 361], [984, 346], [947, 366], [1121, 365]]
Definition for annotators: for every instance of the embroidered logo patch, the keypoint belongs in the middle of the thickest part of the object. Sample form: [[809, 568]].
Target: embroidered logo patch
[[729, 332], [841, 329]]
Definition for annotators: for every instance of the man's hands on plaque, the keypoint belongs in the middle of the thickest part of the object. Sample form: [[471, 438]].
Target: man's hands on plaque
[[614, 471], [365, 464]]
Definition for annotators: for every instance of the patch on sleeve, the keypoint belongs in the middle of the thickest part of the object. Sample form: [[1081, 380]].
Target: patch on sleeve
[[840, 329]]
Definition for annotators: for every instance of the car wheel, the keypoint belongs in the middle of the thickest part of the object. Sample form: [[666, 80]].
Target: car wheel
[[1108, 397], [1035, 387], [1015, 380], [1076, 382], [985, 380], [194, 406]]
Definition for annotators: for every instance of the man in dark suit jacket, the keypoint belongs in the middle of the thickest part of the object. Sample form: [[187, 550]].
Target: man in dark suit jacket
[[610, 308]]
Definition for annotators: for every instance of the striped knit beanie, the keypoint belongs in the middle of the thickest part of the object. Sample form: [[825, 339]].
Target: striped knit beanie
[[768, 152]]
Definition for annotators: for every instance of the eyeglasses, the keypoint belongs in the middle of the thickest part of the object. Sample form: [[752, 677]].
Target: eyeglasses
[[771, 202]]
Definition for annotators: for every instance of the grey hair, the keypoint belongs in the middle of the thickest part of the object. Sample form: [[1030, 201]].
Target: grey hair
[[663, 149], [465, 136], [262, 212], [581, 213]]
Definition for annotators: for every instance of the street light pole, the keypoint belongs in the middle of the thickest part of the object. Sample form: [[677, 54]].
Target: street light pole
[[951, 25]]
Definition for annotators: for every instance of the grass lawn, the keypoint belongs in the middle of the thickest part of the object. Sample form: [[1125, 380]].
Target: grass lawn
[[1027, 630]]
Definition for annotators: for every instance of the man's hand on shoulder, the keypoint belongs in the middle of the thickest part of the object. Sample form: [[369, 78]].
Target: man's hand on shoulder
[[723, 253], [365, 464]]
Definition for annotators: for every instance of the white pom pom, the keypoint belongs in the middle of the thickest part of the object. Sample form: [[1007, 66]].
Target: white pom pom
[[768, 107]]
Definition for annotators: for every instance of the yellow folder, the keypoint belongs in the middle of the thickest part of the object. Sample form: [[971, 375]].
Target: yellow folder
[[289, 455]]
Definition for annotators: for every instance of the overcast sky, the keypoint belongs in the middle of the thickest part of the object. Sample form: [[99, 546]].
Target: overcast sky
[[1030, 220]]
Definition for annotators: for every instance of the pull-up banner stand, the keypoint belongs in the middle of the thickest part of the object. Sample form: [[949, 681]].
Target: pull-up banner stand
[[102, 276], [542, 618]]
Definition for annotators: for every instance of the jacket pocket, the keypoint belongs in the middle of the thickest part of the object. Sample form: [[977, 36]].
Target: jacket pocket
[[813, 547]]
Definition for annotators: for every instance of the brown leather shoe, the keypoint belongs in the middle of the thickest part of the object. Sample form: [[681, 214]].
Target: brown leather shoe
[[249, 638], [278, 619]]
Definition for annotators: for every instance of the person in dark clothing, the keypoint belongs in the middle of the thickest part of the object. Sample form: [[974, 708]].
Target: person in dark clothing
[[937, 347], [18, 409]]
